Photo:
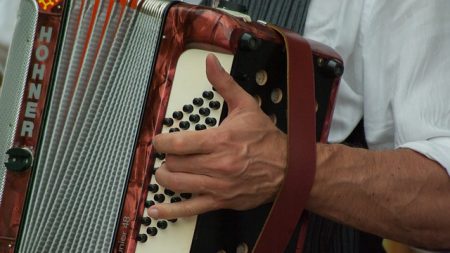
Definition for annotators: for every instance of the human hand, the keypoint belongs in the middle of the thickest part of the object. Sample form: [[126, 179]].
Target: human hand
[[238, 165]]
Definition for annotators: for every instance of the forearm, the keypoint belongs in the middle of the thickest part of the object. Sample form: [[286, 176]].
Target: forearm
[[396, 194]]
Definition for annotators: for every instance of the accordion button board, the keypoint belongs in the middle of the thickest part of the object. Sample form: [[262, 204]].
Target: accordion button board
[[193, 106]]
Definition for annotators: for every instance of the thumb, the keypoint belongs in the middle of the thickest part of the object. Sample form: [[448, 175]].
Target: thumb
[[235, 96]]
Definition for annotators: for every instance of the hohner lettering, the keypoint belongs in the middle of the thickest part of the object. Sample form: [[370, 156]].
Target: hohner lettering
[[99, 79]]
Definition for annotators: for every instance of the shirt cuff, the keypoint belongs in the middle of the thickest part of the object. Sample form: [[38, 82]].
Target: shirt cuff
[[437, 149]]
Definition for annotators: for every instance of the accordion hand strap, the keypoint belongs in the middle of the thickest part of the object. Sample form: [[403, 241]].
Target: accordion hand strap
[[299, 177]]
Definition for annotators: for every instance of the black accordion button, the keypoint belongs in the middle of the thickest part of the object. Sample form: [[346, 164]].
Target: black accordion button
[[204, 111], [173, 220], [149, 203], [186, 195], [153, 188], [162, 224], [173, 130], [169, 192], [142, 238], [194, 118], [210, 121], [200, 127], [215, 105], [152, 231], [188, 108], [175, 200], [208, 95], [177, 115], [160, 156], [198, 101], [159, 198], [168, 122], [146, 221], [185, 125]]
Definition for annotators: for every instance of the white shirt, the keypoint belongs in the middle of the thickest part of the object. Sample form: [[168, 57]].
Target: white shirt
[[397, 71]]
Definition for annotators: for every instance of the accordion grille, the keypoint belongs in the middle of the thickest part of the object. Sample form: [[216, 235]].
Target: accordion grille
[[11, 95], [91, 127]]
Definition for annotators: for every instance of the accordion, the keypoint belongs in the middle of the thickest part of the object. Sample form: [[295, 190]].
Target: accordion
[[89, 83]]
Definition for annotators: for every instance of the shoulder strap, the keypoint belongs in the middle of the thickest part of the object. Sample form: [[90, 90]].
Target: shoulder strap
[[291, 200]]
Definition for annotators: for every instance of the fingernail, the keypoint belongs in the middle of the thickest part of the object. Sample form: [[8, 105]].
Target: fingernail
[[153, 212]]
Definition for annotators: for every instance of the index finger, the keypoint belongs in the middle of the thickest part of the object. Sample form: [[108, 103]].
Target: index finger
[[197, 205], [185, 143]]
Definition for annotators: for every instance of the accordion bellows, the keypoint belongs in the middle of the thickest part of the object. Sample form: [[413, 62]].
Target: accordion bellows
[[87, 86], [94, 116]]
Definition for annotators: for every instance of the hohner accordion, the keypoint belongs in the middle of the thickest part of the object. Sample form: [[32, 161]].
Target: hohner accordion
[[90, 82]]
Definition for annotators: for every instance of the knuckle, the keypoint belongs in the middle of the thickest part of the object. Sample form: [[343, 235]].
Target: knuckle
[[174, 183], [222, 138], [189, 208], [161, 177], [227, 166], [167, 179]]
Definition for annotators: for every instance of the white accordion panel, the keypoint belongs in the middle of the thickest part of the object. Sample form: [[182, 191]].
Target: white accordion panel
[[189, 83]]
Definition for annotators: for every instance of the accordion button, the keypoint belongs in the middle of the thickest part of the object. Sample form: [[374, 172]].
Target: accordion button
[[175, 200], [188, 108], [173, 220], [204, 111], [160, 156], [200, 127], [159, 198], [185, 125], [153, 188], [173, 130], [198, 101], [194, 118], [149, 203], [186, 195], [242, 248], [146, 221], [214, 105], [169, 192], [162, 224], [177, 115], [168, 122], [210, 121], [152, 231], [208, 95], [142, 238]]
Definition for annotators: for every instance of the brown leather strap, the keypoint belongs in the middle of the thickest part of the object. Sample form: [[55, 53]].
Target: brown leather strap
[[291, 200]]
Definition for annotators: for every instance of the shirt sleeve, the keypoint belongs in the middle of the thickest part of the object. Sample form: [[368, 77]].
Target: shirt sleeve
[[407, 75], [337, 24], [397, 71]]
